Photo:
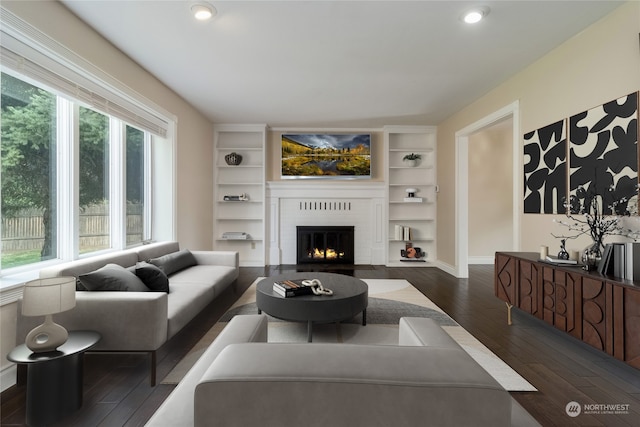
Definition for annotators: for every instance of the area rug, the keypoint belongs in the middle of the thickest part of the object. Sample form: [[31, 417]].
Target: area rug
[[389, 300]]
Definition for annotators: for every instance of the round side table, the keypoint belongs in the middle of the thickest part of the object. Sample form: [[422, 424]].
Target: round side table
[[54, 379]]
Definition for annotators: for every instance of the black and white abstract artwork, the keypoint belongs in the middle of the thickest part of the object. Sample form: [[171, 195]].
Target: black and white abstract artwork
[[545, 169], [603, 155]]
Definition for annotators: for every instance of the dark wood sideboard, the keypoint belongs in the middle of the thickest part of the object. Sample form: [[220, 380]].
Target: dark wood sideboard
[[602, 311]]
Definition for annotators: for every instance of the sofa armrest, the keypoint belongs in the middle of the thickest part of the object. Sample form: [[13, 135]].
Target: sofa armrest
[[177, 409], [127, 321], [421, 331], [227, 258]]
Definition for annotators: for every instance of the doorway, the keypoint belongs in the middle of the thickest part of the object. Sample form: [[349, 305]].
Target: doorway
[[508, 114]]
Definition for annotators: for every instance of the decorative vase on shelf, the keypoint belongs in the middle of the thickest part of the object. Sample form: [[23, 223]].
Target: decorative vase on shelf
[[233, 159]]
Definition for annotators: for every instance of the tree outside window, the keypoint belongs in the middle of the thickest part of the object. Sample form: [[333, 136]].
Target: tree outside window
[[28, 173]]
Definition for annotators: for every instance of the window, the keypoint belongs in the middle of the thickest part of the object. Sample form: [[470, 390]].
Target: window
[[135, 142], [28, 173], [38, 146], [93, 181]]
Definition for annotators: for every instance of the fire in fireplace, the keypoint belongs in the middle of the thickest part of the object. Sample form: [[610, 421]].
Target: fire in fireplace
[[325, 244]]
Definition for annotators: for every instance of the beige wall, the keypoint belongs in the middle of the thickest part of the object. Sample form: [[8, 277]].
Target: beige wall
[[194, 186], [598, 65], [491, 190]]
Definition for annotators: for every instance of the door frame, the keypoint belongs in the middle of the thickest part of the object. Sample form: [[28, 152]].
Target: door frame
[[462, 183]]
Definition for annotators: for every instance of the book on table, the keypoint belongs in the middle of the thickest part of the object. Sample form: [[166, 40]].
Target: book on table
[[556, 260], [290, 288]]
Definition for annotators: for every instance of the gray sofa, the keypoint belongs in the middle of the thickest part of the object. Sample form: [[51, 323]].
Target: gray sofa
[[427, 379], [141, 321]]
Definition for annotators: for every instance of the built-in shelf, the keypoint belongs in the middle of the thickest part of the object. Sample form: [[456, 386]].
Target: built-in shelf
[[419, 217], [248, 178]]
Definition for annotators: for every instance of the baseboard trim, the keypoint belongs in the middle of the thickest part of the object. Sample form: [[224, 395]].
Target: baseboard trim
[[447, 268], [8, 377], [480, 260]]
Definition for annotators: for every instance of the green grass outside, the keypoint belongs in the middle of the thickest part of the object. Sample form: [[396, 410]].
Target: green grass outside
[[18, 259]]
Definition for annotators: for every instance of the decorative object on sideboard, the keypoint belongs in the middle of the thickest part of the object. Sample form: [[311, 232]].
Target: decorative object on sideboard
[[412, 159], [236, 198], [595, 223], [544, 251], [563, 254], [45, 297], [233, 159]]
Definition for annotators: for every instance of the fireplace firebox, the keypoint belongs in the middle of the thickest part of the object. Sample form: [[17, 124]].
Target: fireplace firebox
[[325, 244]]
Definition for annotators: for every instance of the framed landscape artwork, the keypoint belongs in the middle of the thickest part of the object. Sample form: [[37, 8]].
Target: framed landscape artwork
[[326, 156]]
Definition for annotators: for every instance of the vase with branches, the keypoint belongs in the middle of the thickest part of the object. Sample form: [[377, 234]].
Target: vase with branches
[[594, 223]]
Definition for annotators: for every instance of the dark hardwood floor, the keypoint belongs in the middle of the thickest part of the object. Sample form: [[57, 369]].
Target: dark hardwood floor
[[117, 390]]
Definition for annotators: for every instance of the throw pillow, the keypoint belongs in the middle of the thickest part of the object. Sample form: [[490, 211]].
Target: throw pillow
[[153, 277], [79, 285], [112, 277], [174, 262]]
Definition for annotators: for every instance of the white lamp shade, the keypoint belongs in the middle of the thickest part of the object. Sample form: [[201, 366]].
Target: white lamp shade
[[49, 296]]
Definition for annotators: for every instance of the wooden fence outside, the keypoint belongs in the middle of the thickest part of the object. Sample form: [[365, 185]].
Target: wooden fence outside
[[25, 231]]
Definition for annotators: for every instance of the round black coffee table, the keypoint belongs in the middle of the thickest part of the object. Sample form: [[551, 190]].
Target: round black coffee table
[[350, 297]]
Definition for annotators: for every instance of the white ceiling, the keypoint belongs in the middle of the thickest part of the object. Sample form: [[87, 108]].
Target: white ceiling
[[336, 64]]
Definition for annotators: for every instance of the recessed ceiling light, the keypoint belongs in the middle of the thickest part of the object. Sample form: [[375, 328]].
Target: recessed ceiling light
[[203, 11], [475, 15]]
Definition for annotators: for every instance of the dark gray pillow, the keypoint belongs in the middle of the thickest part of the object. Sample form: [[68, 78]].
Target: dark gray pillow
[[175, 261], [79, 285], [112, 277], [153, 277]]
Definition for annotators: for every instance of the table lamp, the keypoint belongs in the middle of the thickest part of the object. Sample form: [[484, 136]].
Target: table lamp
[[44, 297]]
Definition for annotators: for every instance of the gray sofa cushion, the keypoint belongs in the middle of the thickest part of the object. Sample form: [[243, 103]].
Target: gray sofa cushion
[[202, 274], [112, 277], [185, 301], [174, 262], [153, 277], [155, 250], [87, 265]]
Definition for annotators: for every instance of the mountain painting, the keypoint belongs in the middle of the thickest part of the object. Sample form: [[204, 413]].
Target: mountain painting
[[326, 156]]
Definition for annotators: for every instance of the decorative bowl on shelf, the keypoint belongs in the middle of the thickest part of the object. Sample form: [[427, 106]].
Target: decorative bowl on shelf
[[233, 159]]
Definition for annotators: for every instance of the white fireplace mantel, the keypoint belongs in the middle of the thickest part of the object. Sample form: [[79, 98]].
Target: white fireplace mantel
[[308, 202]]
